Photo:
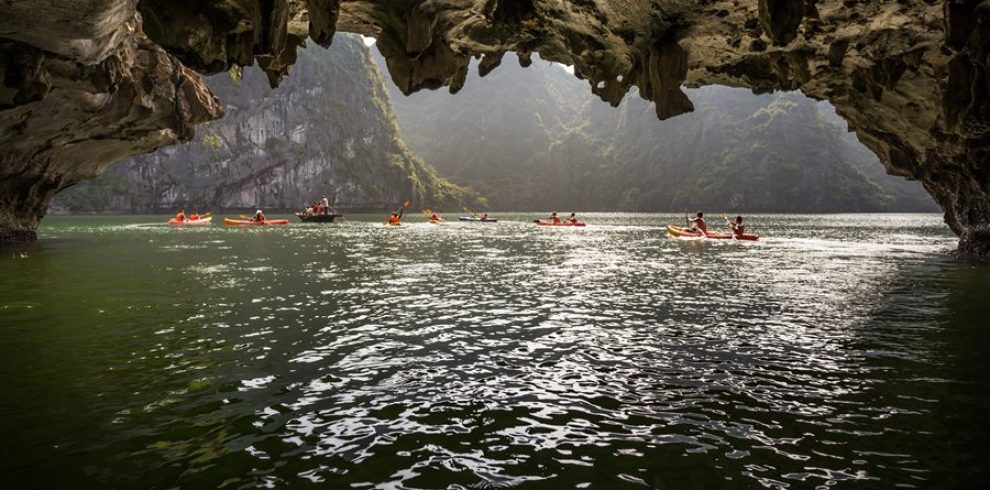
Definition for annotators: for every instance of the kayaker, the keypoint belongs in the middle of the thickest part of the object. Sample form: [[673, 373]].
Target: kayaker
[[258, 216], [181, 215], [554, 219], [484, 217], [698, 223], [737, 225], [435, 217], [395, 218], [572, 219], [324, 204], [194, 217]]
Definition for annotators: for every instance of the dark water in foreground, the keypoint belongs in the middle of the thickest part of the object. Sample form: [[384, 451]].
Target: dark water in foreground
[[476, 356]]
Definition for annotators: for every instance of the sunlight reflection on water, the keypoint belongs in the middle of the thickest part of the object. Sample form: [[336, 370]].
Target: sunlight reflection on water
[[473, 355]]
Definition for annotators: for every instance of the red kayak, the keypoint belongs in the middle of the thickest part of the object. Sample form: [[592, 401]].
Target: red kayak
[[247, 222], [541, 222], [676, 231], [191, 222]]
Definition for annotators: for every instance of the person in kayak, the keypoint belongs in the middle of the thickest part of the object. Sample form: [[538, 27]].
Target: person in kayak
[[181, 216], [737, 226], [554, 219], [698, 223], [396, 217], [572, 219], [484, 217], [435, 217], [258, 216], [194, 217]]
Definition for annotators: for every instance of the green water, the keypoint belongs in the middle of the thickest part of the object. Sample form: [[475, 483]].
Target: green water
[[842, 350]]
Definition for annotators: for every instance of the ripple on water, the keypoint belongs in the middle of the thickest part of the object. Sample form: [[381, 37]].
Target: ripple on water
[[466, 356]]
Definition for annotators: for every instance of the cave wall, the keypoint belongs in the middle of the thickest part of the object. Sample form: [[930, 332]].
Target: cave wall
[[910, 76], [75, 99]]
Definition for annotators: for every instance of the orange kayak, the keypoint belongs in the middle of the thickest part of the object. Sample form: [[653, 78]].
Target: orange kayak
[[541, 222], [191, 222], [247, 222], [677, 231]]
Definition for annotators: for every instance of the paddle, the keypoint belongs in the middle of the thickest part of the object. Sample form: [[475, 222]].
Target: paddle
[[732, 231], [249, 218]]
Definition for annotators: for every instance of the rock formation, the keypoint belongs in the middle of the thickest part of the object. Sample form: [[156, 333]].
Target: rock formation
[[76, 98], [910, 76], [328, 130], [536, 139]]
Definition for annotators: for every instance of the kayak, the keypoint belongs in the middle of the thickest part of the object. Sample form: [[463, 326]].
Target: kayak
[[676, 231], [386, 223], [191, 222], [562, 223], [247, 222], [486, 220]]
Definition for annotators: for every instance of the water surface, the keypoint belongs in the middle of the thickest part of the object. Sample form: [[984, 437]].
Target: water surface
[[844, 350]]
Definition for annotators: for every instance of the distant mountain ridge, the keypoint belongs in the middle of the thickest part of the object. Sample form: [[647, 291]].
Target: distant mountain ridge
[[328, 130], [536, 139]]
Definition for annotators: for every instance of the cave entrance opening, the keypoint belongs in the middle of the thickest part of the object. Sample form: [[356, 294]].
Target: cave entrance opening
[[536, 138]]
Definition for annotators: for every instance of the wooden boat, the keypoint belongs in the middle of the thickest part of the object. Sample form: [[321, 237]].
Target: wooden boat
[[317, 218]]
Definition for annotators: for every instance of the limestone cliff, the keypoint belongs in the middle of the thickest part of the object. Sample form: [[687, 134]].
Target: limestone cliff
[[534, 138], [910, 77], [328, 130]]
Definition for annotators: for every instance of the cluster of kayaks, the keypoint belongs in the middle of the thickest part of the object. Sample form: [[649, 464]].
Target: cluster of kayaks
[[674, 231]]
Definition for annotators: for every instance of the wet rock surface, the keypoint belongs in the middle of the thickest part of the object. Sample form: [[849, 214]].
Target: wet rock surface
[[910, 77]]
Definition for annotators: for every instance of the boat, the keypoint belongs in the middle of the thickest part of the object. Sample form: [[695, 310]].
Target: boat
[[389, 223], [317, 218], [480, 220], [191, 222], [679, 232], [247, 222], [542, 222]]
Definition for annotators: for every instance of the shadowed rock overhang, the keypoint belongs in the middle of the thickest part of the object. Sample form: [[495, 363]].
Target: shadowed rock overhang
[[89, 81]]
